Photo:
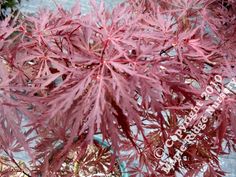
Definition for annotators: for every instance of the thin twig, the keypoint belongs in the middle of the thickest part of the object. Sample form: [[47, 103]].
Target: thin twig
[[18, 166]]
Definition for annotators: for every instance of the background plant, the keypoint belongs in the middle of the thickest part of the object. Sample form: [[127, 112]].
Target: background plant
[[8, 7]]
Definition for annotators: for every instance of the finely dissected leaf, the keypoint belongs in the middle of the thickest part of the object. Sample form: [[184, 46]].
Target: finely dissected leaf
[[131, 74]]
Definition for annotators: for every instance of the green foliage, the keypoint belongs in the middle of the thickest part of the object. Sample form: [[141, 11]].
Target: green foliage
[[8, 6]]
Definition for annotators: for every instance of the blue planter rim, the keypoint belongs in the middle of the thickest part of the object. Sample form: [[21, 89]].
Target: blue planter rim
[[122, 165]]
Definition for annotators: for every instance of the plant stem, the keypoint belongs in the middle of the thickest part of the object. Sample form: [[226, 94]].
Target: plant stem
[[103, 51], [18, 166]]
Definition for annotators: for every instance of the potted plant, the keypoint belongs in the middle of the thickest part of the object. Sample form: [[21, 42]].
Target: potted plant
[[155, 78]]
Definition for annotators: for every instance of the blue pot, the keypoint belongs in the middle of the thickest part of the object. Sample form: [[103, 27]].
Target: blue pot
[[122, 165]]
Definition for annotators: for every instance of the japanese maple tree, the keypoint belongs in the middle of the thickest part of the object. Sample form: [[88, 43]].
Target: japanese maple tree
[[130, 74]]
